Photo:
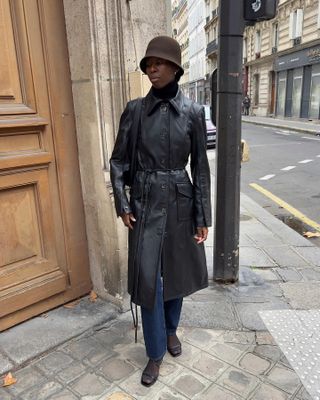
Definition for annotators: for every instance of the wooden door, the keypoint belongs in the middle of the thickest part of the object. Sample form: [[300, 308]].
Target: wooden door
[[43, 247]]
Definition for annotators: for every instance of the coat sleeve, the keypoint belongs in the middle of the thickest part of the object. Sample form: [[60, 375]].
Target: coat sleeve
[[120, 163], [200, 170]]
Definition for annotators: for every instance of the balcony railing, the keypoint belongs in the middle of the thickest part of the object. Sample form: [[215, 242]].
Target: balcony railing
[[212, 47]]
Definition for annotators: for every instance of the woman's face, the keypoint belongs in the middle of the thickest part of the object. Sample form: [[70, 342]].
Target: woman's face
[[160, 72]]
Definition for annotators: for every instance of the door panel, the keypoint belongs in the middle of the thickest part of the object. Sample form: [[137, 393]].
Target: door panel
[[43, 259]]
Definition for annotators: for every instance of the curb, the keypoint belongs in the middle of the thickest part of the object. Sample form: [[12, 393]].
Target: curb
[[297, 129]]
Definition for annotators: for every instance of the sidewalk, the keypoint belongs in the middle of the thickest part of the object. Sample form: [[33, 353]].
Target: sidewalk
[[294, 125], [88, 352]]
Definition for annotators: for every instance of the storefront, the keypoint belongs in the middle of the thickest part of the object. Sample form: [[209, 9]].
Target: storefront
[[298, 84]]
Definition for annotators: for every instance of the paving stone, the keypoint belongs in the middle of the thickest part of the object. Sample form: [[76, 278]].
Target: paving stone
[[209, 366], [115, 369], [238, 381], [64, 395], [254, 364], [249, 313], [266, 238], [203, 338], [285, 256], [302, 295], [4, 395], [5, 364], [218, 314], [81, 348], [284, 378], [115, 393], [310, 274], [265, 338], [135, 353], [114, 335], [239, 337], [72, 372], [170, 370], [245, 240], [290, 274], [190, 384], [267, 274], [133, 386], [225, 352], [254, 257], [27, 378], [267, 392], [273, 353], [42, 392], [303, 395], [169, 394], [311, 254], [90, 384], [189, 353], [215, 392], [54, 362]]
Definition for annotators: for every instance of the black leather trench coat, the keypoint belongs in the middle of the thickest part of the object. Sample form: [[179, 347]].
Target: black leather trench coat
[[166, 203]]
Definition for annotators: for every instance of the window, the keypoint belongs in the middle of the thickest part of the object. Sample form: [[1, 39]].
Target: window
[[258, 43], [295, 24], [245, 46], [256, 89], [318, 22], [275, 36]]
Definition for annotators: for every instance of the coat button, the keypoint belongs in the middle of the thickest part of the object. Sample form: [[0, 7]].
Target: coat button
[[163, 186], [164, 211]]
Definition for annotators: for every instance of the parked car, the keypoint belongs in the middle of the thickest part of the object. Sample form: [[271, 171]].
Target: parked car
[[211, 129]]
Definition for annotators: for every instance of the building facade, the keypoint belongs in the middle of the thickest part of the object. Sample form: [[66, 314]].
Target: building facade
[[64, 81], [282, 62], [197, 49], [180, 32], [212, 32]]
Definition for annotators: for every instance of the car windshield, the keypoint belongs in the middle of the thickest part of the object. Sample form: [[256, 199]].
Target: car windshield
[[207, 112]]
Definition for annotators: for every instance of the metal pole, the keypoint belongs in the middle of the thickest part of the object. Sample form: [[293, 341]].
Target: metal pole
[[227, 205]]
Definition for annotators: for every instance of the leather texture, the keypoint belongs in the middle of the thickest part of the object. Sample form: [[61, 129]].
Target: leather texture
[[166, 203]]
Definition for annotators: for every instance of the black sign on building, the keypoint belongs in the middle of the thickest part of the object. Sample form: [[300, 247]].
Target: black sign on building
[[259, 10]]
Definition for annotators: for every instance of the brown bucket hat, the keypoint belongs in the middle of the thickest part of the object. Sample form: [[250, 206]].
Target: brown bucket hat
[[164, 47]]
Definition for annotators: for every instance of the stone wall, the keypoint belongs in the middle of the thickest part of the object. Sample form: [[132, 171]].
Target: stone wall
[[106, 40]]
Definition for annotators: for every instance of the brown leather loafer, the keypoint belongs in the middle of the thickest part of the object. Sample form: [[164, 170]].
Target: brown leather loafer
[[174, 345], [150, 373]]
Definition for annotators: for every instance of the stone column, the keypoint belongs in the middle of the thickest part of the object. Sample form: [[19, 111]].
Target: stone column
[[106, 40]]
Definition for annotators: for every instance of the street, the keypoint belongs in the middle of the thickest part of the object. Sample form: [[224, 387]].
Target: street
[[287, 165]]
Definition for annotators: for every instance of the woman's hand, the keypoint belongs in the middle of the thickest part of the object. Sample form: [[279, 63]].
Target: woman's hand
[[127, 219], [201, 235]]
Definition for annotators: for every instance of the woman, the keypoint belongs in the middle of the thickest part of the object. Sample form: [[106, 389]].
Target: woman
[[167, 216]]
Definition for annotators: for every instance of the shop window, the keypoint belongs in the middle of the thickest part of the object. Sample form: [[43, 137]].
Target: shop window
[[296, 92], [315, 92], [256, 89], [281, 92]]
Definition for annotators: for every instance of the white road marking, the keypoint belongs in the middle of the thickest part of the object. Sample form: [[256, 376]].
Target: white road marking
[[310, 138], [288, 168], [304, 161], [318, 155], [266, 177], [282, 133]]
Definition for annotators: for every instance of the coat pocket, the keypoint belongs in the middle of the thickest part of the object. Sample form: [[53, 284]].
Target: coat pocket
[[184, 201]]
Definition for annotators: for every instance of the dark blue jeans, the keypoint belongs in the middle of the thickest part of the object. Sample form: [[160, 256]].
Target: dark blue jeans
[[159, 323]]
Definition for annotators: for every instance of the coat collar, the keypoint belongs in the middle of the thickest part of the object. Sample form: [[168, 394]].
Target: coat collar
[[153, 102]]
